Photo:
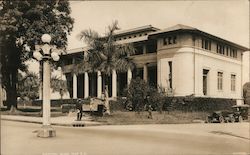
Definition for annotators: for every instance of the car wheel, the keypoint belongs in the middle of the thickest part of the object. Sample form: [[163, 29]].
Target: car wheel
[[232, 120], [240, 119], [221, 119]]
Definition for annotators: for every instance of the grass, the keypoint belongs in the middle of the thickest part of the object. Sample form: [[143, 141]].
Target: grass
[[120, 117], [33, 111], [174, 117]]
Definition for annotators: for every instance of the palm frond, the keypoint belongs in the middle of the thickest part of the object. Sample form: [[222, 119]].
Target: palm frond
[[105, 54]]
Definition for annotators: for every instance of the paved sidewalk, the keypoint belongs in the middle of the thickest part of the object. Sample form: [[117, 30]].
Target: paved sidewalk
[[62, 120]]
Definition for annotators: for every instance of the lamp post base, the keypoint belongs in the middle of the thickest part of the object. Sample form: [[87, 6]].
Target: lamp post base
[[46, 131]]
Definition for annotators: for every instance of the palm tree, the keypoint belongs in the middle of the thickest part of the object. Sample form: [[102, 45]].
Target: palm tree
[[59, 85], [105, 54]]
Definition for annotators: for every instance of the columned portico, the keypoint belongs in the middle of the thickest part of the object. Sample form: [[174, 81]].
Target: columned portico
[[114, 84], [99, 84], [74, 86], [86, 85]]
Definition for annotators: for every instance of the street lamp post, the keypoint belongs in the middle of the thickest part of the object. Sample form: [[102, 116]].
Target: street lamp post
[[46, 53]]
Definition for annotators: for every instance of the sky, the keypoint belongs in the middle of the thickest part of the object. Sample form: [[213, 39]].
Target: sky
[[225, 19]]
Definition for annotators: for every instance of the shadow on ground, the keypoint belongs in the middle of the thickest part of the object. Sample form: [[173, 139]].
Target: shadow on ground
[[229, 134]]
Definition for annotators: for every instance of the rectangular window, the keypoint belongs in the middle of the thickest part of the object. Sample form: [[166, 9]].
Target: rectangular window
[[233, 82], [174, 39], [220, 49], [169, 40], [227, 51], [205, 81], [206, 44], [220, 81], [234, 53], [170, 74], [231, 52]]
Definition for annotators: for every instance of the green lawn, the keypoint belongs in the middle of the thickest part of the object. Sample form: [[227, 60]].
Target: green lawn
[[174, 117]]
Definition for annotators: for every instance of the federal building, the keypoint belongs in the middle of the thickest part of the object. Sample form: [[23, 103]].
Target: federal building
[[181, 60]]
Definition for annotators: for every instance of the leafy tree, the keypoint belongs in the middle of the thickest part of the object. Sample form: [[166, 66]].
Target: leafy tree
[[105, 54], [22, 25], [28, 86]]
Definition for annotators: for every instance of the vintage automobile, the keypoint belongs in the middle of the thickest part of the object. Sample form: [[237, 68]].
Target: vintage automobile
[[237, 114], [93, 105]]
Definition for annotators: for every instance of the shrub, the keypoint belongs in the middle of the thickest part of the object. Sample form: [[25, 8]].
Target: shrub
[[137, 93], [140, 95], [197, 104]]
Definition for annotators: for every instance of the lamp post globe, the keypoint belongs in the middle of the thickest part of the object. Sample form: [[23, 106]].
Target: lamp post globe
[[46, 38], [55, 56], [37, 55]]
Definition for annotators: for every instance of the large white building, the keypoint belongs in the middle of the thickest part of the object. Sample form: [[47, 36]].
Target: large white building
[[181, 59]]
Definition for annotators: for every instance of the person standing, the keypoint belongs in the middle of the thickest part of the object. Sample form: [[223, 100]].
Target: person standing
[[79, 108]]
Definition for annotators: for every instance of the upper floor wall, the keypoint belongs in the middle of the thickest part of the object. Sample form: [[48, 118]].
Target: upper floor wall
[[177, 40]]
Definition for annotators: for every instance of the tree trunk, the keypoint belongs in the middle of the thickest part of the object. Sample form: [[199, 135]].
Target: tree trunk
[[11, 93], [106, 95], [1, 88]]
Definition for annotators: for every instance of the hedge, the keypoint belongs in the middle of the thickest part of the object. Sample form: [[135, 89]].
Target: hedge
[[199, 104], [187, 104], [57, 103]]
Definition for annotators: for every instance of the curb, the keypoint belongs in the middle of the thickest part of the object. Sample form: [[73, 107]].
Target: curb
[[73, 124]]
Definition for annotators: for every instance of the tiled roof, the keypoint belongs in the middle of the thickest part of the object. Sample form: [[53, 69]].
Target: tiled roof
[[174, 28], [137, 29]]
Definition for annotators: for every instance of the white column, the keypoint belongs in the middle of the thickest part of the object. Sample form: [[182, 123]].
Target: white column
[[129, 76], [159, 81], [114, 84], [99, 84], [46, 93], [74, 86], [40, 91], [86, 85], [145, 72]]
